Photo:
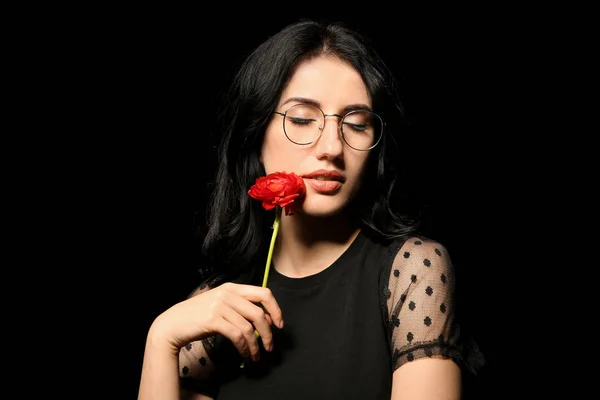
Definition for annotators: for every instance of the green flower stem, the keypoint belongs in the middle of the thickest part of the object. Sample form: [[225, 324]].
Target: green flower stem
[[272, 246], [269, 257]]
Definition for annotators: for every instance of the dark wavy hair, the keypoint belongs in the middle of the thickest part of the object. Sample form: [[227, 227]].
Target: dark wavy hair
[[238, 228]]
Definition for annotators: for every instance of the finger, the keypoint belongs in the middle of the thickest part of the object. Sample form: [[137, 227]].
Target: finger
[[232, 332], [258, 294], [269, 319], [257, 316], [243, 333]]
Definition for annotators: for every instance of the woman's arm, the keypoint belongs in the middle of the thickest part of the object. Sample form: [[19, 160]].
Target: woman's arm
[[424, 332], [160, 376], [427, 379], [230, 309]]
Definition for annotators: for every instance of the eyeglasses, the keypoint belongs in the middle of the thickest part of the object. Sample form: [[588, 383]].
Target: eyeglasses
[[303, 124]]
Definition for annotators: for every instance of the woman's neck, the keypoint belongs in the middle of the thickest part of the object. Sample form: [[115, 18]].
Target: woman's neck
[[307, 245]]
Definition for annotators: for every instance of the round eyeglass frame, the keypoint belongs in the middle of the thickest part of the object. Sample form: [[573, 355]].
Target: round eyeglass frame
[[340, 125]]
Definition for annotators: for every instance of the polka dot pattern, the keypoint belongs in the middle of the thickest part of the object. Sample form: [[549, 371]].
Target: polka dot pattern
[[194, 357], [420, 303]]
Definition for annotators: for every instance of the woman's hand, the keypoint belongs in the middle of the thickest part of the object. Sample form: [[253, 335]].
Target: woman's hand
[[233, 310]]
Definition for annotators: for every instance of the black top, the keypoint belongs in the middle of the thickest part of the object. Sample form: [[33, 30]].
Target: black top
[[347, 328]]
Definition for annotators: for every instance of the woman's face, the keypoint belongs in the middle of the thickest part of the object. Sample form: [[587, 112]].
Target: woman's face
[[330, 168]]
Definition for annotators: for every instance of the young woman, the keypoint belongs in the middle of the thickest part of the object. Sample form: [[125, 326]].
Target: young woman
[[357, 305]]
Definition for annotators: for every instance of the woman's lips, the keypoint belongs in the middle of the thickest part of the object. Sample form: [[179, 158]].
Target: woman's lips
[[323, 186]]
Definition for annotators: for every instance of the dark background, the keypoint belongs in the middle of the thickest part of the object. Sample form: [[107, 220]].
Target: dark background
[[463, 73]]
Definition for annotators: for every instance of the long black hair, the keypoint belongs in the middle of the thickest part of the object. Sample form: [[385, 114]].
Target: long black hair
[[238, 228]]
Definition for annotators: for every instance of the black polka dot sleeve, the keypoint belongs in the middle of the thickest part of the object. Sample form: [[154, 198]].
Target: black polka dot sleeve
[[420, 304], [195, 365]]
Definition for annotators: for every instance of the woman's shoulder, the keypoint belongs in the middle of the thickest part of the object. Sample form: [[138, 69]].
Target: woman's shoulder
[[421, 249], [411, 244], [421, 245], [413, 250], [208, 282]]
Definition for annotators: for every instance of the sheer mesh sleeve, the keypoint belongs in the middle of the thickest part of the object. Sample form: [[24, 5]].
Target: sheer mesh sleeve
[[195, 365], [420, 303]]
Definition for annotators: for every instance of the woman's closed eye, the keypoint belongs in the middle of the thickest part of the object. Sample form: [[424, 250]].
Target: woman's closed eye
[[301, 121]]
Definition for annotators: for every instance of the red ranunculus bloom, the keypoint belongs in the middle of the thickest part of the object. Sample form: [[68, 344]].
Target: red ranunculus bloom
[[278, 189]]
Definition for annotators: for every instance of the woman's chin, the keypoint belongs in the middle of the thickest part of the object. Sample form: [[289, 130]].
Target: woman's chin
[[321, 209]]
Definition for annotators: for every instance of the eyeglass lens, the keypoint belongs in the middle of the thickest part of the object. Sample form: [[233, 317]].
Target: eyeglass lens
[[360, 129]]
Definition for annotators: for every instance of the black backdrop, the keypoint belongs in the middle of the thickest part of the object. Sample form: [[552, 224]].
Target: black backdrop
[[162, 76]]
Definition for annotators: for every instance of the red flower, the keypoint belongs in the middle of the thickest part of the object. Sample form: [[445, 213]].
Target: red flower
[[278, 189]]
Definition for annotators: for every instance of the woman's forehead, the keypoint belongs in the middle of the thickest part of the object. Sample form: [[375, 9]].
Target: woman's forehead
[[327, 80]]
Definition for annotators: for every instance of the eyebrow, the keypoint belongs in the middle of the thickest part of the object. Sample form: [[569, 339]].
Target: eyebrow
[[348, 108]]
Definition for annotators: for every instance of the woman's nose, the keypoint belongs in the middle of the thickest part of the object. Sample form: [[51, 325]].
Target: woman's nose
[[330, 144]]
